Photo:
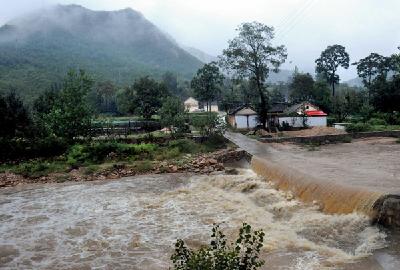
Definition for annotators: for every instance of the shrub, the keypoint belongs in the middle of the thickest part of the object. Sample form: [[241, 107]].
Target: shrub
[[37, 168], [215, 141], [23, 149], [143, 166], [358, 127], [97, 152], [376, 122], [90, 169], [184, 146], [170, 153], [243, 254], [347, 139]]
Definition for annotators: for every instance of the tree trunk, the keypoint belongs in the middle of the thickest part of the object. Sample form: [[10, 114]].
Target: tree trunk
[[263, 111]]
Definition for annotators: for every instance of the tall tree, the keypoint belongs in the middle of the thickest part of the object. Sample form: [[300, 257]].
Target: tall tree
[[42, 107], [331, 59], [207, 83], [371, 66], [302, 88], [173, 115], [14, 117], [103, 97], [149, 94], [71, 114], [251, 55]]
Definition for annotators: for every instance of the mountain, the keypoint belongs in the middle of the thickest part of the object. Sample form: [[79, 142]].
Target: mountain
[[38, 49], [356, 82], [283, 75], [202, 56]]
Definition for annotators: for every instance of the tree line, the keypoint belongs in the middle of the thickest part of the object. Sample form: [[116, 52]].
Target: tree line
[[239, 77]]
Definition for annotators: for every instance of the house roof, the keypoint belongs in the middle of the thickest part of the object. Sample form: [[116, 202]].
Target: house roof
[[243, 110], [294, 108], [246, 111], [278, 108], [191, 101], [315, 113]]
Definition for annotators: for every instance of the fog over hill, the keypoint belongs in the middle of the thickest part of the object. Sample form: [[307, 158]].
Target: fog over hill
[[39, 48]]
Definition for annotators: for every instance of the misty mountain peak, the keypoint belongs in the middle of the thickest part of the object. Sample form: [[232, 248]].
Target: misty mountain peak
[[114, 45]]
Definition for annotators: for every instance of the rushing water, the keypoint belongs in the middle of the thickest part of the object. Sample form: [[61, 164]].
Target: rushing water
[[133, 223]]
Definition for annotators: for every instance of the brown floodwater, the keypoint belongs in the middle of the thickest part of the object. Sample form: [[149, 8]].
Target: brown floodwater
[[133, 223]]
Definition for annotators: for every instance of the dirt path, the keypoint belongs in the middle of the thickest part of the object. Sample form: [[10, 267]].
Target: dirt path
[[372, 163]]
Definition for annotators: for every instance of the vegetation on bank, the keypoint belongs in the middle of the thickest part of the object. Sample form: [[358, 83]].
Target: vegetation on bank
[[242, 254], [95, 156]]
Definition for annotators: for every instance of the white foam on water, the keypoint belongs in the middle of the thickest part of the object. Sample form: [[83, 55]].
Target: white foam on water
[[133, 223]]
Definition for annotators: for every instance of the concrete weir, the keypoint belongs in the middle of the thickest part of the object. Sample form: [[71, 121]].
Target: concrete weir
[[333, 197]]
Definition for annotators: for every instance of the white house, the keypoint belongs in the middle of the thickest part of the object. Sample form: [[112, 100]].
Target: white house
[[191, 105], [214, 107], [298, 115], [243, 118]]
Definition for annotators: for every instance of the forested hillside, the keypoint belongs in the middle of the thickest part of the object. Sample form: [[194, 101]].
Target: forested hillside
[[38, 49]]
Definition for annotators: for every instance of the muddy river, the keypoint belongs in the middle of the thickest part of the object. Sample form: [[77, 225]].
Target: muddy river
[[133, 223]]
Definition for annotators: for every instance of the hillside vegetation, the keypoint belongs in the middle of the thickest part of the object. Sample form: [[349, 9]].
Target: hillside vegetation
[[38, 49]]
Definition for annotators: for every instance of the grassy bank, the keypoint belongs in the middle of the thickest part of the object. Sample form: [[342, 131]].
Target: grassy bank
[[95, 156]]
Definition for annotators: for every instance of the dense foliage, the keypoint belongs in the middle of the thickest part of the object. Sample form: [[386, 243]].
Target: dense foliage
[[173, 115], [207, 83], [243, 254]]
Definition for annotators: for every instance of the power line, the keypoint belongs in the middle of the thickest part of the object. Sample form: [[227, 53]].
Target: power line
[[296, 19], [292, 14]]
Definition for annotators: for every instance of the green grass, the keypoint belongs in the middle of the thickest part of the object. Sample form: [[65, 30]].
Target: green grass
[[36, 168], [94, 156], [385, 127]]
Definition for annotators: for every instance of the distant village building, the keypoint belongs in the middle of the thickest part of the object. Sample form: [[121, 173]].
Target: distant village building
[[214, 107], [192, 105], [243, 118], [303, 114]]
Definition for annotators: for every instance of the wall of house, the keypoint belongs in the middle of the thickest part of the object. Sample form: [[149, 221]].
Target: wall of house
[[191, 107], [317, 121], [241, 121], [214, 108], [298, 121]]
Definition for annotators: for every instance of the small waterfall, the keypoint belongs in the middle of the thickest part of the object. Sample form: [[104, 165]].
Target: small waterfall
[[331, 197]]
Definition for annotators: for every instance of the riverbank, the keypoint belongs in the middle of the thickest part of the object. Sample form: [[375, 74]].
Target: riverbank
[[202, 163]]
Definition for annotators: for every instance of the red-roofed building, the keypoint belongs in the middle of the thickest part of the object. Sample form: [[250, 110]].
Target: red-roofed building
[[298, 115]]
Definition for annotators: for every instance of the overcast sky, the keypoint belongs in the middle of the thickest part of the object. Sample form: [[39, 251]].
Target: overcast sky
[[306, 27]]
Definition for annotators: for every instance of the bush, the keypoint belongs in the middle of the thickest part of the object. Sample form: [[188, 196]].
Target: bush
[[97, 152], [184, 146], [358, 127], [23, 149], [243, 254], [377, 122], [38, 168], [208, 124], [143, 166], [215, 141]]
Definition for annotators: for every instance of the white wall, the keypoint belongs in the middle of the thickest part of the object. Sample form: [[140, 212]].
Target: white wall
[[317, 121], [298, 121], [214, 108], [241, 121]]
